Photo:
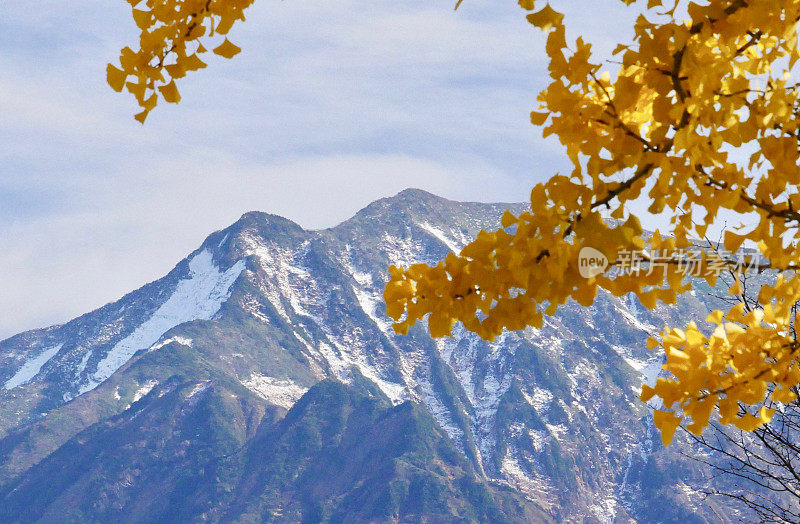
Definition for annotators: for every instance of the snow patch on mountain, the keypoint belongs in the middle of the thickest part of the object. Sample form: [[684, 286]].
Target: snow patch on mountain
[[493, 389], [584, 379], [636, 364], [32, 367], [440, 413], [461, 357], [557, 430], [289, 280], [400, 252], [253, 306], [371, 306], [515, 476], [198, 388], [354, 354], [486, 404], [539, 399], [144, 389], [83, 363], [605, 510], [178, 339], [652, 370], [537, 439], [282, 393], [367, 295], [341, 361], [364, 279], [444, 239], [198, 297]]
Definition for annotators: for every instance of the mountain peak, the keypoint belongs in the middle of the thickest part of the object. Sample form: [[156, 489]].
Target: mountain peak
[[255, 225], [413, 193], [260, 219]]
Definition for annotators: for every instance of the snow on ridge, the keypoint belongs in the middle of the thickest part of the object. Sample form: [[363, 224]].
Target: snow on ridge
[[32, 367], [513, 474], [144, 389], [537, 439], [439, 234], [282, 393], [364, 279], [370, 305], [350, 356], [350, 350], [399, 252], [652, 370], [605, 510], [198, 297], [584, 378], [179, 339], [461, 362], [83, 363], [202, 386], [557, 430], [288, 279], [441, 414], [369, 301], [540, 399]]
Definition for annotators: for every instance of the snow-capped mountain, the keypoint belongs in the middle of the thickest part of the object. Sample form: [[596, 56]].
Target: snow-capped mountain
[[210, 394]]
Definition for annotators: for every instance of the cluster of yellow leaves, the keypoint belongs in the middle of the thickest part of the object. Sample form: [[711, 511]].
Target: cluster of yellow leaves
[[687, 97], [750, 358], [170, 45]]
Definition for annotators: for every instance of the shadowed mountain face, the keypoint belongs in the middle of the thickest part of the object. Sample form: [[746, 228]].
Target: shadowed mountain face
[[261, 380]]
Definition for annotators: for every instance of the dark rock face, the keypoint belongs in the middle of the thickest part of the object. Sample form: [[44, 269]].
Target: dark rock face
[[261, 380]]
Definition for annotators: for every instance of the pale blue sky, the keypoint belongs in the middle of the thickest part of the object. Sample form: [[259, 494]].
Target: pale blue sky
[[329, 106]]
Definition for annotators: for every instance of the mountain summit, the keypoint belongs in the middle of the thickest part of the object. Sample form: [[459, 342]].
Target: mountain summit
[[261, 380]]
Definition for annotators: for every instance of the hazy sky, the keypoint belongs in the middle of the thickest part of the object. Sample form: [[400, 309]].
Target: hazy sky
[[330, 105]]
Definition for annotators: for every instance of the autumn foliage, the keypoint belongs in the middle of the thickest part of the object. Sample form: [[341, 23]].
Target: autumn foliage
[[170, 45], [698, 115], [701, 115]]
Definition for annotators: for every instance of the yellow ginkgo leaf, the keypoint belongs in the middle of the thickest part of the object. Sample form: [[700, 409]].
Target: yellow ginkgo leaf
[[137, 89], [143, 19], [140, 117], [116, 78], [545, 18], [227, 49], [151, 102], [667, 422], [537, 118], [193, 63], [175, 70], [733, 241], [170, 92]]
